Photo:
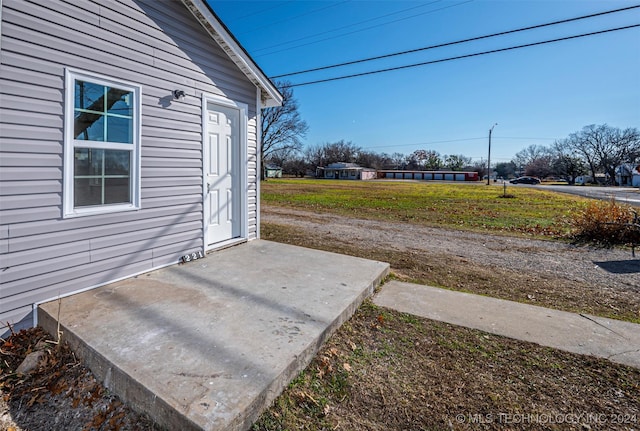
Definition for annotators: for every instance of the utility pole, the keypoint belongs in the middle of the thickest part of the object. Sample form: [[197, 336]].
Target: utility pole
[[489, 156]]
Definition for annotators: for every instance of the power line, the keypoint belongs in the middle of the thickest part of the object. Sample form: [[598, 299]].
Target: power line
[[477, 54], [254, 29], [364, 29], [341, 28], [410, 51], [258, 12], [481, 138]]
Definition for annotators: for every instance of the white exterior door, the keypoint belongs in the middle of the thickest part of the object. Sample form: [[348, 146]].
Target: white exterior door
[[222, 174]]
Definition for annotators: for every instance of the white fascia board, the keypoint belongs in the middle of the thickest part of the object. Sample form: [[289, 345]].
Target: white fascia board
[[270, 94]]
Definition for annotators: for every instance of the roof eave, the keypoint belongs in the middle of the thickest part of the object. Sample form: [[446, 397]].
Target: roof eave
[[270, 96]]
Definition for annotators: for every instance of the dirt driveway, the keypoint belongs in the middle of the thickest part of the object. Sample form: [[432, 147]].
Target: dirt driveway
[[550, 273]]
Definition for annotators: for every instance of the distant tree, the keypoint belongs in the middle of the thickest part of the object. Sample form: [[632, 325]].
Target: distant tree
[[605, 148], [456, 162], [370, 159], [295, 166], [480, 167], [539, 167], [324, 154], [566, 163], [282, 126], [424, 159], [398, 160], [506, 169]]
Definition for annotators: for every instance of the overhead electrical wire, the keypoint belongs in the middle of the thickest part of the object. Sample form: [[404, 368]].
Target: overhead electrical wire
[[258, 12], [254, 29], [341, 28], [364, 29], [477, 54], [457, 42]]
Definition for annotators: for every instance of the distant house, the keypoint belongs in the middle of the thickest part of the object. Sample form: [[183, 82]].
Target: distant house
[[272, 171], [345, 171], [128, 138], [628, 175]]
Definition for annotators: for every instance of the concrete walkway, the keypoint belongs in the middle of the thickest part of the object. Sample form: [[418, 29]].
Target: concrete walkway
[[615, 340], [209, 344]]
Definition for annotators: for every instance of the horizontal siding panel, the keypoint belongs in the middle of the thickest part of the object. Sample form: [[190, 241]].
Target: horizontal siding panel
[[164, 171], [29, 215], [170, 164], [192, 127], [14, 86], [101, 273], [154, 244], [4, 231], [19, 67], [40, 266], [148, 215], [148, 151], [29, 104], [144, 239], [175, 111], [52, 34], [4, 248], [52, 22], [14, 261], [9, 188], [165, 133], [173, 200], [10, 116], [30, 132], [80, 10], [170, 191], [27, 242], [10, 145], [174, 251], [179, 144], [40, 45], [19, 174], [30, 160], [15, 202], [162, 182]]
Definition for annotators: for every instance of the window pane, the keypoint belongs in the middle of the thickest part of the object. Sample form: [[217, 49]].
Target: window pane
[[89, 127], [87, 191], [120, 130], [89, 96], [116, 190], [88, 162], [119, 102], [117, 162]]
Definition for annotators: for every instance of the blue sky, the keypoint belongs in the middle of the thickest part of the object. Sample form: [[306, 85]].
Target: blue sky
[[536, 94]]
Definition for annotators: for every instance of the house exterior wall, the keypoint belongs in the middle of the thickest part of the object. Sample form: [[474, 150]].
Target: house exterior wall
[[157, 45]]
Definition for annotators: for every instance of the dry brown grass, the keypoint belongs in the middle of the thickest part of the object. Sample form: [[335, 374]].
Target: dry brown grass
[[606, 223], [385, 370]]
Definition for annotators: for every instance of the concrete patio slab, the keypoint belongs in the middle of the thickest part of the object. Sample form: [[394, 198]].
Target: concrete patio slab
[[615, 340], [209, 344]]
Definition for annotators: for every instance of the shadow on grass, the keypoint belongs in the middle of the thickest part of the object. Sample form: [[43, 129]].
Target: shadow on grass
[[630, 266]]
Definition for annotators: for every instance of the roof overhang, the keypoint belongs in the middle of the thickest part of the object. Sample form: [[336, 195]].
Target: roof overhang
[[269, 94]]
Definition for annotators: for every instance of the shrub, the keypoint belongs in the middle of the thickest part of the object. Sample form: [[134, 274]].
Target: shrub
[[606, 223]]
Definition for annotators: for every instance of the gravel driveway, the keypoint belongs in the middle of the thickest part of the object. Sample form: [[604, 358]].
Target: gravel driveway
[[609, 268]]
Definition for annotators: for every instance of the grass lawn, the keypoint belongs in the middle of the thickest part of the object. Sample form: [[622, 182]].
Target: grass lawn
[[469, 206], [385, 370]]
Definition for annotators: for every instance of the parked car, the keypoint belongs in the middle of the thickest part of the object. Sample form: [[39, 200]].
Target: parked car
[[525, 180]]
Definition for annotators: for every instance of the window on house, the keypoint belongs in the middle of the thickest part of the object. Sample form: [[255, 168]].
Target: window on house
[[101, 145]]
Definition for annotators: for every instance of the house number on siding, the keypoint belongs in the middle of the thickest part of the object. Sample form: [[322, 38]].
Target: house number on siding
[[193, 256]]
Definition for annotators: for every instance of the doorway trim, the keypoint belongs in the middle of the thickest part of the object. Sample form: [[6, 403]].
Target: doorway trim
[[242, 109]]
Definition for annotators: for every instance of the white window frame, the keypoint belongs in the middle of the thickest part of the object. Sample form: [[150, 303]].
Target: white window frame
[[71, 75]]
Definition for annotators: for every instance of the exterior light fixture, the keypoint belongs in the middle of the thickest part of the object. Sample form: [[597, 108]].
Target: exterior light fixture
[[178, 94]]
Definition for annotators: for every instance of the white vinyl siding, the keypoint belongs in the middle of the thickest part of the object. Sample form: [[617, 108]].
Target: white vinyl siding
[[102, 145], [157, 46]]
